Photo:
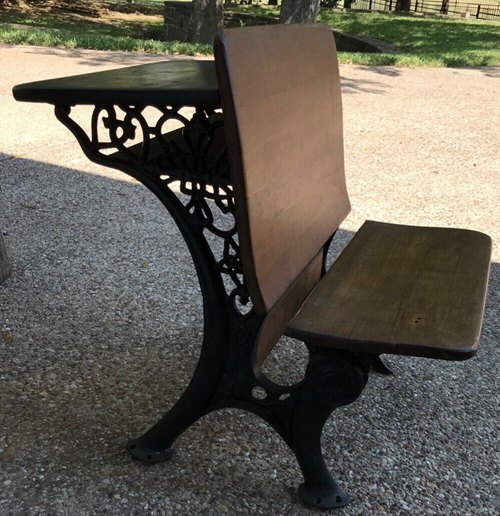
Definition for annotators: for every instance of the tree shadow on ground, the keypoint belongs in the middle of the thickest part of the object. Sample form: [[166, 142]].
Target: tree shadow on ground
[[99, 57], [389, 71], [493, 71], [350, 85], [102, 342]]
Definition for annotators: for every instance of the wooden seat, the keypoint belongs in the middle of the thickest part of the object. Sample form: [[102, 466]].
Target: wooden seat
[[401, 289]]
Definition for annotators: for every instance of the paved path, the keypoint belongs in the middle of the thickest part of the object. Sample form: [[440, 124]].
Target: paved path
[[97, 338]]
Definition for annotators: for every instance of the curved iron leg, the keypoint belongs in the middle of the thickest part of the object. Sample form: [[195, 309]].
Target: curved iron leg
[[333, 379], [319, 488], [155, 445], [204, 183], [379, 366]]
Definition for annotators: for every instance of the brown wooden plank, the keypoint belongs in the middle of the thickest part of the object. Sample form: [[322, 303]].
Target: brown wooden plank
[[403, 290], [284, 133], [279, 316]]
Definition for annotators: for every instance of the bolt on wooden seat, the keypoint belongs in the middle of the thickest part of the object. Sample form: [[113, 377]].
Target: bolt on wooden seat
[[401, 289]]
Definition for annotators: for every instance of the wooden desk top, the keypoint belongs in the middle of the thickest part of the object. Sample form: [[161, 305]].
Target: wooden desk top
[[173, 83]]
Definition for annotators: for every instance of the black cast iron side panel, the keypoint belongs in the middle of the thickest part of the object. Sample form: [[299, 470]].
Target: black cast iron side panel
[[187, 170], [191, 160]]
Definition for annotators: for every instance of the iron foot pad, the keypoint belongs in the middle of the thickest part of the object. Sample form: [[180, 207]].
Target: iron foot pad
[[147, 453], [323, 497], [380, 367]]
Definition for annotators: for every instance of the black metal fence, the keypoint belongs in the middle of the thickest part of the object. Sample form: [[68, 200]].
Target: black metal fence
[[453, 7]]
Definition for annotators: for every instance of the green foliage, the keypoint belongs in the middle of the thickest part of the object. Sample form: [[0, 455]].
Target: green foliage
[[255, 9]]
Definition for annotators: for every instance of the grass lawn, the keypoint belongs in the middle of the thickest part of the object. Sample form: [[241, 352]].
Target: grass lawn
[[129, 33], [423, 41]]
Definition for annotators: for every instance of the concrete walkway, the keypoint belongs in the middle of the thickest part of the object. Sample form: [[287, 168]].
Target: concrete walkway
[[98, 337]]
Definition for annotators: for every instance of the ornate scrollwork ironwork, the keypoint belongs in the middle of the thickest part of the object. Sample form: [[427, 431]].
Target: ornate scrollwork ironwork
[[189, 159], [186, 167]]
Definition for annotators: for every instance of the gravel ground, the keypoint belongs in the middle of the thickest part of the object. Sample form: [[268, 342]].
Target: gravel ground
[[101, 321]]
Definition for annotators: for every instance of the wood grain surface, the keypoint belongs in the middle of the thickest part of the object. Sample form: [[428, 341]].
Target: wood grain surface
[[404, 290], [285, 146]]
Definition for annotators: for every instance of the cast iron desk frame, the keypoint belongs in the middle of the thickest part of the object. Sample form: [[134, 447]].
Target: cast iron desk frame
[[194, 158]]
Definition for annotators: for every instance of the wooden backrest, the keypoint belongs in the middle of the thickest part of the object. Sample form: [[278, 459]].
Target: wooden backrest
[[280, 92]]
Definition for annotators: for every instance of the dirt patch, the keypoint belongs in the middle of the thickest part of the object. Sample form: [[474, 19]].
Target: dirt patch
[[85, 11]]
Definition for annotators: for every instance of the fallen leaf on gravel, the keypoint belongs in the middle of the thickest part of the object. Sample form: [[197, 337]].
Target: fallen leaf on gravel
[[7, 453], [8, 337]]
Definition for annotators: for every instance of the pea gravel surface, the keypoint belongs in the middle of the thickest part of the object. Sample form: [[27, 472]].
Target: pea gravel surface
[[101, 319]]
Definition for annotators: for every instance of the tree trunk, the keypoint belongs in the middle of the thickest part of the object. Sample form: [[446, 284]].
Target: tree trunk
[[207, 19], [348, 3], [4, 260], [403, 5], [444, 7], [299, 11]]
